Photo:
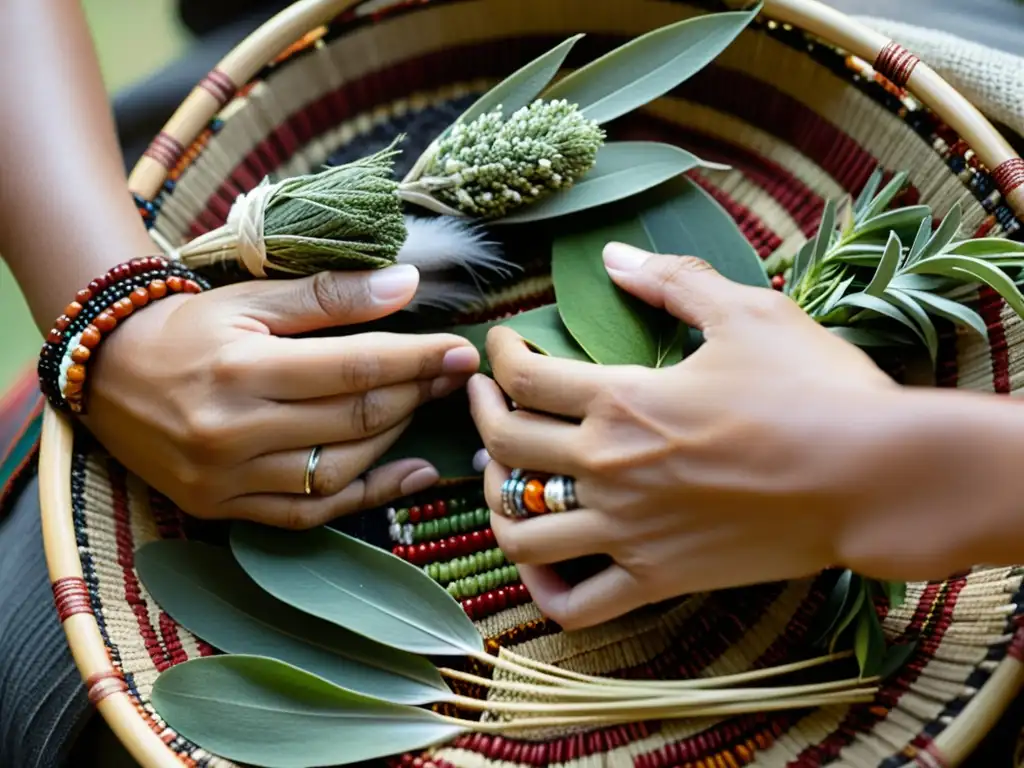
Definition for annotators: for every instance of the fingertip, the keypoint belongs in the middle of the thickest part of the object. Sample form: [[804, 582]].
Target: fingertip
[[622, 260], [394, 285], [461, 360], [426, 476]]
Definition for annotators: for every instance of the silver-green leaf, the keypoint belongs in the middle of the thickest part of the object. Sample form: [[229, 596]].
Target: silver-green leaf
[[357, 586], [951, 310], [943, 235], [204, 589], [966, 267], [912, 309], [622, 169], [865, 337], [260, 711], [649, 66], [880, 201], [868, 193], [879, 306], [824, 237], [886, 266], [988, 247]]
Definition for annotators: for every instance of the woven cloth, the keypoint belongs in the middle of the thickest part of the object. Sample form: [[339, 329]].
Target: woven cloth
[[990, 79]]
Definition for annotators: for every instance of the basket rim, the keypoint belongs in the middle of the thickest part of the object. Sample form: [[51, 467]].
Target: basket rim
[[277, 35]]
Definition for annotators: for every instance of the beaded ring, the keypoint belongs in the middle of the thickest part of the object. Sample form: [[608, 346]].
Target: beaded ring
[[94, 313], [525, 495]]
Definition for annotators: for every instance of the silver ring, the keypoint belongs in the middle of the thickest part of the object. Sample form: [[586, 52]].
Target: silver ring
[[311, 464]]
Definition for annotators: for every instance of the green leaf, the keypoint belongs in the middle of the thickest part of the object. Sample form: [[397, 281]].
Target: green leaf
[[850, 611], [886, 267], [951, 310], [987, 247], [800, 265], [924, 233], [543, 329], [357, 586], [943, 235], [909, 306], [896, 592], [681, 218], [864, 337], [649, 66], [895, 658], [881, 307], [259, 711], [622, 169], [521, 87], [613, 327], [443, 433], [834, 608], [981, 271], [905, 282], [838, 293], [904, 221], [869, 641], [824, 237], [202, 588], [880, 201], [868, 193]]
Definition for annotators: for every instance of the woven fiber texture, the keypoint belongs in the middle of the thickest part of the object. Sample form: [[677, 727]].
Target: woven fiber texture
[[990, 79]]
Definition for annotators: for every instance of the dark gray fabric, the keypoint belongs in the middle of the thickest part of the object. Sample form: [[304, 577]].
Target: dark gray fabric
[[42, 700]]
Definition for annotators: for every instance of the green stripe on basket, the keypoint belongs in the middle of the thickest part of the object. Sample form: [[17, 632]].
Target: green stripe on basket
[[18, 457]]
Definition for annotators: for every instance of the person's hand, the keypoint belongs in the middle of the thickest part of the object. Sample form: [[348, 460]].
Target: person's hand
[[203, 399], [737, 466]]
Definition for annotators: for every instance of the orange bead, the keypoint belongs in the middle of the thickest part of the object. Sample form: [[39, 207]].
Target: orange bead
[[533, 497], [80, 354], [76, 372], [122, 308], [105, 321], [91, 336], [158, 289], [62, 323], [191, 286], [139, 297], [54, 336], [72, 309], [175, 283], [72, 387], [83, 296]]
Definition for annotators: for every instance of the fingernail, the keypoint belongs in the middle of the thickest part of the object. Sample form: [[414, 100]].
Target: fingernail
[[461, 360], [481, 459], [619, 257], [394, 283], [419, 480], [445, 385]]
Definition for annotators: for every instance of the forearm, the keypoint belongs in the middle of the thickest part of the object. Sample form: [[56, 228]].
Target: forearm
[[65, 212], [947, 468]]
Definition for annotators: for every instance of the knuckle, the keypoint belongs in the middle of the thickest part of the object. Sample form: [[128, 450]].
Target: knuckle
[[510, 544], [229, 366], [204, 435], [360, 371], [333, 295], [520, 384], [369, 414], [331, 479], [764, 304]]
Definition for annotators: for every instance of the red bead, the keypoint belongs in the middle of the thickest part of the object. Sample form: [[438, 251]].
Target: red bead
[[524, 593], [139, 297], [428, 512], [72, 309], [120, 272], [432, 550], [158, 289], [105, 321], [442, 508], [502, 597], [80, 354], [54, 336], [97, 285], [398, 551], [491, 602], [83, 296], [477, 539], [442, 550], [463, 544], [467, 606], [778, 281], [414, 514], [137, 266], [421, 553], [158, 262], [488, 535], [62, 323], [191, 286], [91, 336]]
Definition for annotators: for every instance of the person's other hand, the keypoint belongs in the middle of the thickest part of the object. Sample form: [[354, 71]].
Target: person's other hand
[[205, 398], [733, 467]]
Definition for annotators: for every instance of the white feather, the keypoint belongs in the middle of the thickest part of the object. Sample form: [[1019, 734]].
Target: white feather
[[444, 294], [445, 242]]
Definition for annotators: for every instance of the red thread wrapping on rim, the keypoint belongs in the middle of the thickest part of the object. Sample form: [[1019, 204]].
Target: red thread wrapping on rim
[[896, 63], [71, 596], [103, 684], [930, 757], [220, 86], [165, 149], [1009, 175]]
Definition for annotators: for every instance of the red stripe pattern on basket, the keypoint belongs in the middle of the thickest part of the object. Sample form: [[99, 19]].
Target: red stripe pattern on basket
[[103, 684], [71, 596], [1009, 175], [896, 63], [165, 149], [220, 86]]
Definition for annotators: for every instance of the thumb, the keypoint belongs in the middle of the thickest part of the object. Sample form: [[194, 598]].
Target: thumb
[[684, 286], [326, 299]]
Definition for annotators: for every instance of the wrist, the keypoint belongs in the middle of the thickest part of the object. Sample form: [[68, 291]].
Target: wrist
[[934, 485]]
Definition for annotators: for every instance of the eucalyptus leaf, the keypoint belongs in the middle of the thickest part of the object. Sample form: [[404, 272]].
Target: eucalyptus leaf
[[943, 235], [649, 66], [263, 712], [543, 329], [850, 611], [881, 307], [443, 433], [521, 87], [981, 271], [881, 200], [895, 592], [613, 327], [202, 588], [912, 309], [951, 310], [867, 194], [869, 641], [865, 337], [896, 656], [886, 266], [622, 169], [355, 585], [682, 218]]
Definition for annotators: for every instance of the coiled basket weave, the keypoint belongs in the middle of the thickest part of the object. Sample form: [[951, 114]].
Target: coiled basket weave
[[804, 106]]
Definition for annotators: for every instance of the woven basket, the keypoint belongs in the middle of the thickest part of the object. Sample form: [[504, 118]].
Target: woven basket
[[799, 113]]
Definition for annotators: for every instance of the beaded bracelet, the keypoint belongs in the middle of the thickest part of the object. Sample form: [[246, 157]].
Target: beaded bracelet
[[95, 312]]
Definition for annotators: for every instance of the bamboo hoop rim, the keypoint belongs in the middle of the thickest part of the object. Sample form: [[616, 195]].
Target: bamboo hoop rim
[[955, 743]]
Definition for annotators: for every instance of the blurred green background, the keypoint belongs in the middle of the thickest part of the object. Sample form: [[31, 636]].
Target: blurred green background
[[133, 38]]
